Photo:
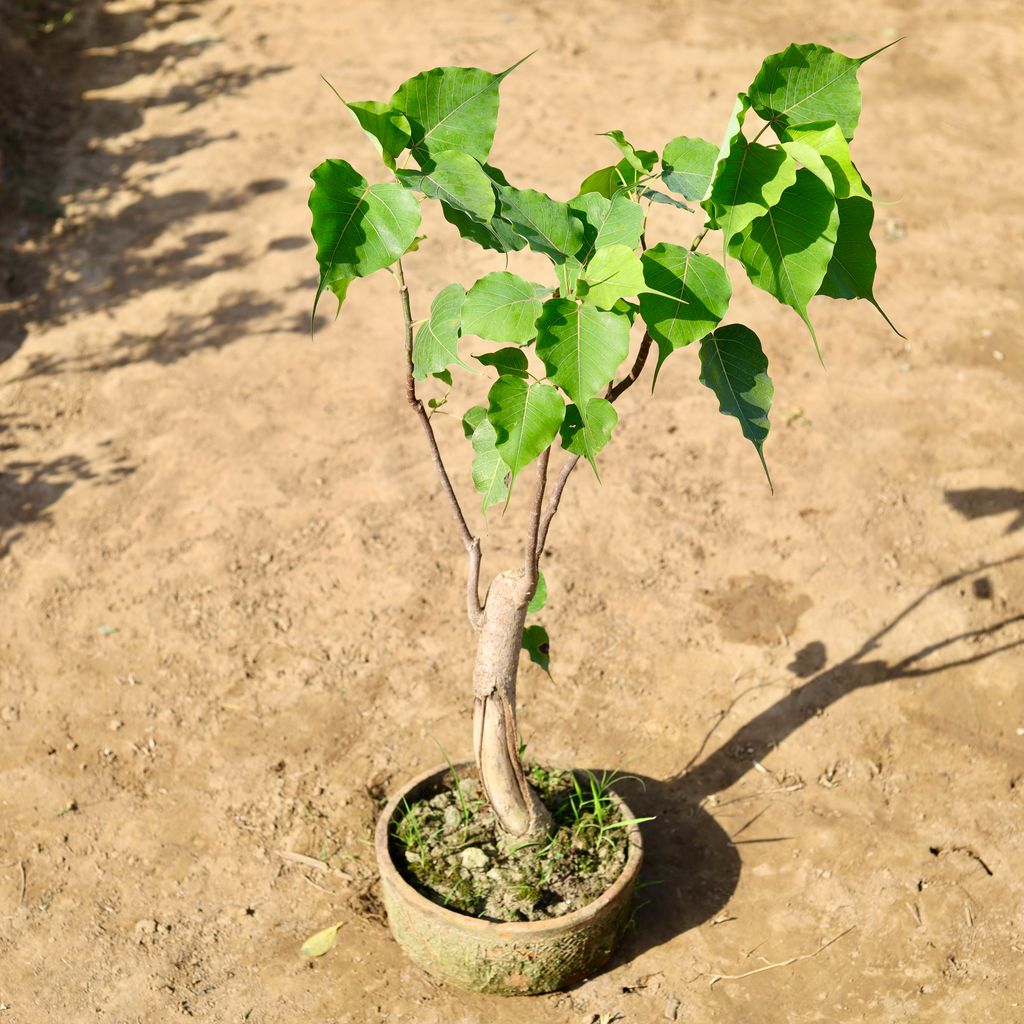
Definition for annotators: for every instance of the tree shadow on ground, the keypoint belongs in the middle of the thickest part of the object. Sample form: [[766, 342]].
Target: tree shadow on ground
[[979, 502], [118, 239], [55, 266], [695, 862], [29, 487]]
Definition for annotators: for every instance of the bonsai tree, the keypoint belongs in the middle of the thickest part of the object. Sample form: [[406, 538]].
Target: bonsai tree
[[784, 200]]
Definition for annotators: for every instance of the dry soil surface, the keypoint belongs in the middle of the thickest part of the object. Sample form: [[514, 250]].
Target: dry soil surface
[[232, 592]]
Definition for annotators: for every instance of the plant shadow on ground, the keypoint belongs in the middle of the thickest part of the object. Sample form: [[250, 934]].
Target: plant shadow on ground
[[123, 241], [695, 863]]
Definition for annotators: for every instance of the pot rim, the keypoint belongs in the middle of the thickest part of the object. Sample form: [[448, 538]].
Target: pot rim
[[502, 929]]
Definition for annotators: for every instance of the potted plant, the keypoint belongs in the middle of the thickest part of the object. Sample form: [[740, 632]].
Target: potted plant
[[793, 211]]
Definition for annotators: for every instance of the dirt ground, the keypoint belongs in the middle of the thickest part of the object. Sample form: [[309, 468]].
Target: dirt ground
[[232, 611]]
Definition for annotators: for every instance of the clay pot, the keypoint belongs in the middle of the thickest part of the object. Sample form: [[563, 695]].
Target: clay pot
[[520, 958]]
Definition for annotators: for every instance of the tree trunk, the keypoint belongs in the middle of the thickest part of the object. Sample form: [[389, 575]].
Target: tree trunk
[[516, 805]]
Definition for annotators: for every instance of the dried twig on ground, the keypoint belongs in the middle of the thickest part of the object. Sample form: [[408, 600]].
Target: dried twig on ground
[[715, 978]]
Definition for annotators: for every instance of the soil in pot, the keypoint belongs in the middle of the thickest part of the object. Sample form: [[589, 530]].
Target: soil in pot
[[449, 847]]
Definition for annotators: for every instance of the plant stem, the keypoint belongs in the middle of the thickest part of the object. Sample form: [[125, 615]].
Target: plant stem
[[472, 544], [533, 549], [635, 370]]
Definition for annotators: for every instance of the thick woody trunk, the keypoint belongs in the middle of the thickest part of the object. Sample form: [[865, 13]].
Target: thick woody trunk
[[495, 736]]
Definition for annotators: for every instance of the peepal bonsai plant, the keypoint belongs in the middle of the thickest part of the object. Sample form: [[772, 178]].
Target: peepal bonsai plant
[[783, 198]]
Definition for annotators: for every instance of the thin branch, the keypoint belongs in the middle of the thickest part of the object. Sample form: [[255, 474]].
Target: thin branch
[[556, 497], [637, 368], [474, 607], [301, 858], [695, 244], [471, 543], [533, 548], [715, 978], [563, 477]]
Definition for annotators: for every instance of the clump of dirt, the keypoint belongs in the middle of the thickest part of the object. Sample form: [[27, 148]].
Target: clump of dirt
[[450, 848]]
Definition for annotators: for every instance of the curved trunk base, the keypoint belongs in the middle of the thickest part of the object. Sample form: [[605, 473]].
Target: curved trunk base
[[516, 804]]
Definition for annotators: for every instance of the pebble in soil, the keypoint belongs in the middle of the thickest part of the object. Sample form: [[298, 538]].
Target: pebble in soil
[[449, 847]]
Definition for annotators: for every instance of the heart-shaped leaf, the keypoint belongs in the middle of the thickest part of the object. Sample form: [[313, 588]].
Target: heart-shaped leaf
[[503, 307], [687, 294], [358, 228], [807, 82], [787, 251], [581, 346], [526, 418], [733, 365], [437, 341]]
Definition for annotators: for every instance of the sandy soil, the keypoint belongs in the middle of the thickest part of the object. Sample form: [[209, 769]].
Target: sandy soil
[[214, 645]]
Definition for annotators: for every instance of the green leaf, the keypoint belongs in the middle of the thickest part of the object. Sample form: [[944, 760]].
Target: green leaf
[[445, 376], [581, 346], [490, 474], [733, 365], [609, 181], [615, 221], [503, 307], [508, 361], [437, 341], [828, 141], [568, 276], [587, 439], [807, 82], [387, 128], [548, 226], [456, 178], [451, 108], [338, 284], [654, 196], [687, 164], [809, 158], [613, 273], [322, 942], [526, 418], [358, 228], [630, 310], [733, 135], [538, 646], [787, 251], [641, 160], [496, 234], [750, 181], [540, 595], [687, 295], [472, 419], [851, 270]]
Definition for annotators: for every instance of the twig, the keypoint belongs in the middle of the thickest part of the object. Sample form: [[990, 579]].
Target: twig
[[715, 978], [301, 858], [471, 543], [556, 497], [532, 562], [637, 368], [317, 885]]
